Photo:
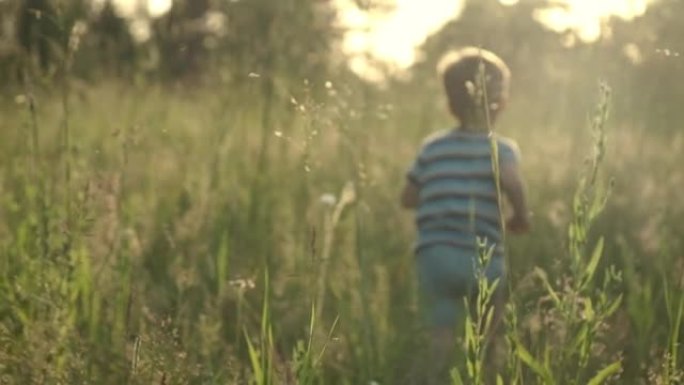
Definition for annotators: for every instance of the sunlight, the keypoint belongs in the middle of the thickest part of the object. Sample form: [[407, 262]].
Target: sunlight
[[138, 13], [124, 8], [388, 40], [133, 8], [391, 37], [157, 8], [586, 18]]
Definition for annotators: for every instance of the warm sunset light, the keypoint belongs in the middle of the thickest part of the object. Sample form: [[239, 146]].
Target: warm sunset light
[[586, 17], [158, 8], [132, 8], [391, 37], [363, 192]]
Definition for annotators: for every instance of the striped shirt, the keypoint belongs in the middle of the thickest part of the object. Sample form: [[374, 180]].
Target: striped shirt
[[458, 202]]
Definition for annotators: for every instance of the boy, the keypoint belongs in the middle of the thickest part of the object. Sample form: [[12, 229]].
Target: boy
[[453, 188]]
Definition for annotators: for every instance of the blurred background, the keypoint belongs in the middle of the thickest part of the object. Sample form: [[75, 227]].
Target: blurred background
[[158, 157]]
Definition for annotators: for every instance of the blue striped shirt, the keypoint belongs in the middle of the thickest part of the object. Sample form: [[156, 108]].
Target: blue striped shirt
[[457, 192]]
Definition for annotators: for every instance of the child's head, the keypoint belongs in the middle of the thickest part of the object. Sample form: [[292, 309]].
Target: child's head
[[463, 73]]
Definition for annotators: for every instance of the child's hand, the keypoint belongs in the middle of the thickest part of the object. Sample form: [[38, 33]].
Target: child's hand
[[518, 224]]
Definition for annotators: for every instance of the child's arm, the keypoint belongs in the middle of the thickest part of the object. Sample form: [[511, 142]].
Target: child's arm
[[409, 195], [513, 187]]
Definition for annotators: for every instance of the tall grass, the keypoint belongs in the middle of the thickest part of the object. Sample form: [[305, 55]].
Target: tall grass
[[214, 236]]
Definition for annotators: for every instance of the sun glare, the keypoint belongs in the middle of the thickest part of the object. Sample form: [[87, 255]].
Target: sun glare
[[157, 8], [125, 8], [133, 8], [388, 39], [391, 37], [587, 17]]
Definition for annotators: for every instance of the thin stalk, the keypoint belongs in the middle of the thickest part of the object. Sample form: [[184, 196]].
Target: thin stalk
[[66, 156], [36, 169]]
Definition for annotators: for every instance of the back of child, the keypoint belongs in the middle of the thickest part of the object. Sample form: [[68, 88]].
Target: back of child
[[458, 215], [455, 188]]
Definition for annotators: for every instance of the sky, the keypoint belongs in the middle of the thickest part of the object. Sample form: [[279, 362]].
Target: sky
[[586, 16], [392, 38], [388, 38]]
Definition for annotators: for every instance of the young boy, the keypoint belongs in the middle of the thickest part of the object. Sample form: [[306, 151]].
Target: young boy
[[452, 186]]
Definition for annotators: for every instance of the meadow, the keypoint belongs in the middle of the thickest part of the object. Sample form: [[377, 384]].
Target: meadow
[[212, 234]]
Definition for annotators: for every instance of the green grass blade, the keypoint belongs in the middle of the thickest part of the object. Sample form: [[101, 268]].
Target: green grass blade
[[539, 272], [593, 263], [255, 360], [533, 364], [606, 372]]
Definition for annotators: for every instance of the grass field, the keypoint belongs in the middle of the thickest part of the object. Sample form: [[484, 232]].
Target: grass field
[[214, 235]]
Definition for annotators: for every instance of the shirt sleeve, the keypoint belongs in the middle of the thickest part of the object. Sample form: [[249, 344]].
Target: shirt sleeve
[[509, 152]]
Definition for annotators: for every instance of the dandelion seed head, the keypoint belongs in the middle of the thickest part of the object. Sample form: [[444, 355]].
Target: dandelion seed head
[[242, 284], [328, 199]]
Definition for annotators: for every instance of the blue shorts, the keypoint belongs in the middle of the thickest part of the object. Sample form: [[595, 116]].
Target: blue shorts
[[447, 278]]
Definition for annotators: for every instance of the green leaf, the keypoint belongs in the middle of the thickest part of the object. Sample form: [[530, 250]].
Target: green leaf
[[674, 331], [255, 361], [593, 263], [545, 280], [533, 364], [222, 264], [613, 306], [456, 377], [606, 372], [588, 312]]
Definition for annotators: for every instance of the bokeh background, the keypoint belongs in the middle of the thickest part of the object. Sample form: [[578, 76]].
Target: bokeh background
[[179, 177]]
